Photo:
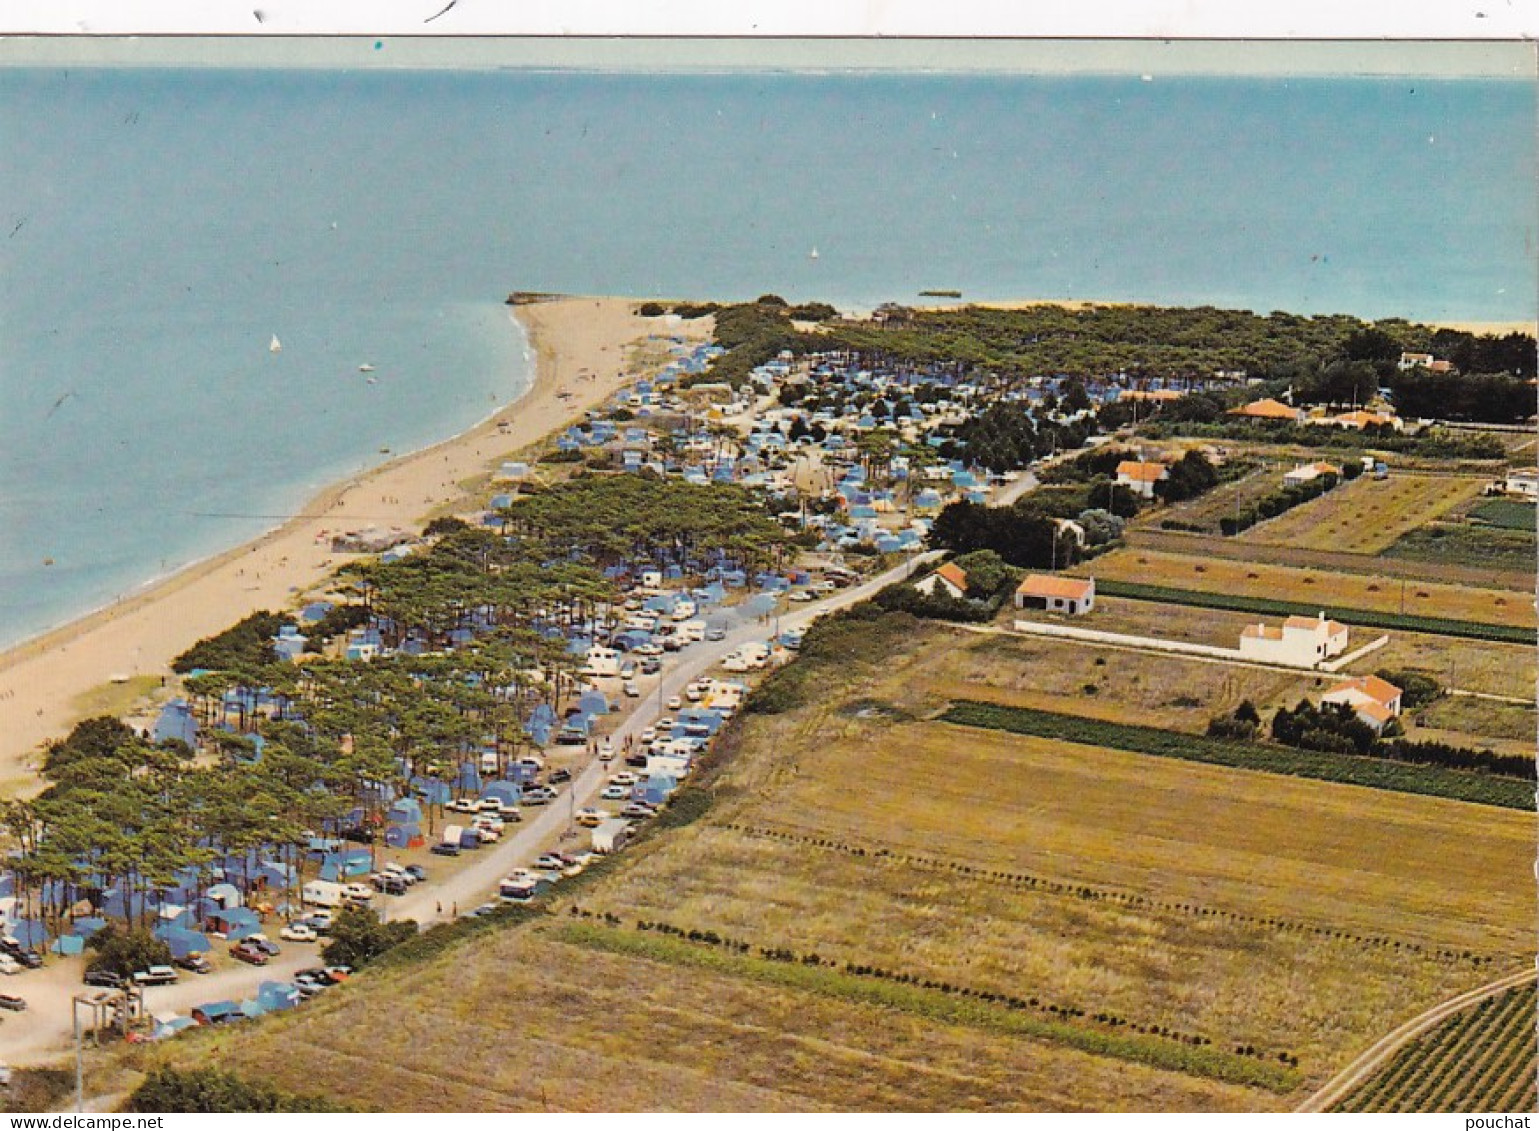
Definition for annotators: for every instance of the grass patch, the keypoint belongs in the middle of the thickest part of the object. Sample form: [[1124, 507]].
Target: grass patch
[[1268, 606], [1432, 781], [1508, 514], [936, 1005], [115, 699]]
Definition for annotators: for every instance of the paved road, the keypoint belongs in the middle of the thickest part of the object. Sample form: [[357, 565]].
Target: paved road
[[1387, 1046], [44, 1030]]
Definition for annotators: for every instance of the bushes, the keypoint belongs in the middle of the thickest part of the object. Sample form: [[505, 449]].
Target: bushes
[[246, 644], [210, 1090], [1275, 504], [1417, 688], [124, 951], [358, 937]]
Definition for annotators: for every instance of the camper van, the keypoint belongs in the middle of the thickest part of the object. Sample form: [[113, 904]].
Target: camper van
[[601, 661], [611, 836], [691, 631], [488, 763], [683, 610], [323, 893]]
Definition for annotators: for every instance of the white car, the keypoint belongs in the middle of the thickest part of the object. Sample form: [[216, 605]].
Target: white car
[[631, 689], [484, 821], [803, 595], [648, 649], [675, 703], [9, 965], [615, 793], [649, 734], [626, 778], [298, 932]]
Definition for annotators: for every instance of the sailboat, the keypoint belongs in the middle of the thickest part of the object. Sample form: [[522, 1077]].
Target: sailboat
[[366, 368], [275, 346], [814, 254]]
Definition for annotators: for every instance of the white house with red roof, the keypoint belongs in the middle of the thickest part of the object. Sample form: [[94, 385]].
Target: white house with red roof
[[1299, 642], [1309, 472], [1373, 700], [1140, 476], [951, 579], [1072, 595]]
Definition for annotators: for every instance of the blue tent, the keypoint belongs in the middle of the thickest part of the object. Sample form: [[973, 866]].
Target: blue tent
[[183, 942], [30, 933], [401, 836], [68, 944], [404, 812], [87, 926], [506, 792], [274, 996], [469, 777], [236, 924], [176, 721]]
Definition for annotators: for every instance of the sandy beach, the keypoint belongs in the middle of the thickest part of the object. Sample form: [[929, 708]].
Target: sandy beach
[[581, 347]]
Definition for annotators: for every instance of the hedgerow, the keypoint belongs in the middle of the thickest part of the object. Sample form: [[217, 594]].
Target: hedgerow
[[1350, 769]]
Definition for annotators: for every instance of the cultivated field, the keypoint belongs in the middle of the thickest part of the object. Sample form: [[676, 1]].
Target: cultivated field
[[1205, 510], [1366, 515], [879, 911], [1288, 583], [1483, 1059]]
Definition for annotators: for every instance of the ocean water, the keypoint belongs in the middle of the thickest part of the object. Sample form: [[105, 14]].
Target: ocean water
[[157, 227]]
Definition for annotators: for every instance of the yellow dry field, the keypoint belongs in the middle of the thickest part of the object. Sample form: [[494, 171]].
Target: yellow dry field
[[1288, 583], [1298, 917], [1366, 515], [524, 1022], [1112, 684]]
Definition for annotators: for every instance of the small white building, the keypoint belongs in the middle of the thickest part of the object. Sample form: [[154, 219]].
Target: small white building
[[601, 661], [1373, 700], [1140, 477], [1309, 472], [951, 579], [1300, 642], [1072, 595], [1523, 481]]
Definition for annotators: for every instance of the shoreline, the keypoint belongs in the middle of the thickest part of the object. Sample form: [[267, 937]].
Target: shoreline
[[579, 347]]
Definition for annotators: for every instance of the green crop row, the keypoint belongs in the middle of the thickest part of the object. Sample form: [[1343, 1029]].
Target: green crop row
[[1269, 606], [1349, 769]]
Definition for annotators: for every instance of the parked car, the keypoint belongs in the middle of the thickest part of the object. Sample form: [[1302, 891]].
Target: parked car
[[648, 649], [9, 965], [625, 778], [390, 885], [632, 689], [649, 734], [195, 961], [250, 954], [639, 810], [12, 1002], [559, 776], [264, 944], [445, 850], [308, 986], [156, 976], [464, 805], [358, 893], [637, 761], [339, 973], [803, 595], [318, 974], [108, 979], [675, 703], [24, 955], [615, 793], [320, 921], [406, 874], [651, 665], [591, 818], [298, 932], [715, 634], [551, 860], [419, 873]]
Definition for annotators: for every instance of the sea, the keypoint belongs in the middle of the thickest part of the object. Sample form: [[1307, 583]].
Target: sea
[[160, 227]]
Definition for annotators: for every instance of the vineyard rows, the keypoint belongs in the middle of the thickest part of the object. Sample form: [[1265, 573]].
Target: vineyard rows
[[1482, 1059]]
